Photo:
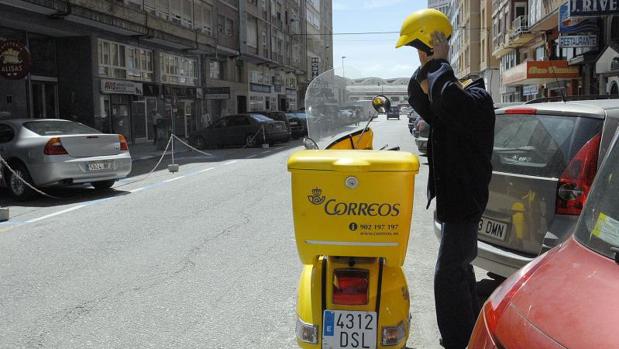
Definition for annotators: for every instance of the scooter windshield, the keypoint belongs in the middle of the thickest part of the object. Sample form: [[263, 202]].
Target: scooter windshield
[[332, 112]]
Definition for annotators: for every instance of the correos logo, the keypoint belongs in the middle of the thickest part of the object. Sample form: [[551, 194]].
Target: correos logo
[[332, 207]]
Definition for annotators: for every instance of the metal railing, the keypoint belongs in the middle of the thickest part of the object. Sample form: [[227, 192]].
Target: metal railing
[[520, 25]]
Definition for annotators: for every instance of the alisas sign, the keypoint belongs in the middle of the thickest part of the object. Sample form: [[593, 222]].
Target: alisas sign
[[593, 7], [15, 60]]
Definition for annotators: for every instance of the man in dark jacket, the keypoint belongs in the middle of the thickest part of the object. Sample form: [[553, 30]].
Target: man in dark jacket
[[460, 145]]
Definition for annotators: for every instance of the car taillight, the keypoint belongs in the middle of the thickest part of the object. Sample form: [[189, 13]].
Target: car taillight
[[123, 143], [502, 296], [350, 287], [54, 147], [576, 180]]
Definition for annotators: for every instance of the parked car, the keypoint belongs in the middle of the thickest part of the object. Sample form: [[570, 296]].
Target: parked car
[[393, 113], [48, 152], [544, 160], [298, 124], [566, 298], [279, 116], [421, 132], [241, 129]]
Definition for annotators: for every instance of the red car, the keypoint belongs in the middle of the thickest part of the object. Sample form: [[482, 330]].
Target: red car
[[568, 297]]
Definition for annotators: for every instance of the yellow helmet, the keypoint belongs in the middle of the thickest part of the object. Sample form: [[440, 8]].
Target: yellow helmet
[[418, 27]]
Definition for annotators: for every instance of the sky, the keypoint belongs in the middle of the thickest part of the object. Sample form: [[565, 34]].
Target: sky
[[372, 55]]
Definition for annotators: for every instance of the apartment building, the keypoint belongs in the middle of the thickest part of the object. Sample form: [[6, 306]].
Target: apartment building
[[116, 64], [465, 40]]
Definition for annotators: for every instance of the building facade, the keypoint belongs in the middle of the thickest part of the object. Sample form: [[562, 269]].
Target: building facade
[[120, 65], [465, 39], [367, 88], [441, 5]]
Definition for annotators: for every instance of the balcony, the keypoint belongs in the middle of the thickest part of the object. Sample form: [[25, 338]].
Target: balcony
[[520, 33]]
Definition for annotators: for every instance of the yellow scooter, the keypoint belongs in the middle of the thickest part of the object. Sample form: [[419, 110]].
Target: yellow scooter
[[352, 215]]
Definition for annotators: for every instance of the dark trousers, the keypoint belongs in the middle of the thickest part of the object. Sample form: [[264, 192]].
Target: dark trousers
[[455, 294]]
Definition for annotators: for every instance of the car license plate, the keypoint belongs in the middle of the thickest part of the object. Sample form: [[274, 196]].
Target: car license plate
[[99, 165], [492, 228], [349, 329], [293, 123]]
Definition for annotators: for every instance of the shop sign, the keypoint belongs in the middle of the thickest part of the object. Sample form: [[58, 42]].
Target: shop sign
[[15, 59], [578, 41], [540, 70], [593, 7], [122, 87], [530, 90], [571, 25], [315, 66], [217, 93], [260, 88], [179, 91]]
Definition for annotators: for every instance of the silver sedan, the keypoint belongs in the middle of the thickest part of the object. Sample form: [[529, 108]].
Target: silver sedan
[[48, 152]]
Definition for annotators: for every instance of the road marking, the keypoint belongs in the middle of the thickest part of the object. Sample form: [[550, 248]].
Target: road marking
[[206, 170], [230, 162], [251, 156], [137, 190], [173, 179], [266, 152], [56, 213]]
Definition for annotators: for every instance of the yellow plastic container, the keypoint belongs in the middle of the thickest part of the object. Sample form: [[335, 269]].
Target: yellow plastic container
[[353, 203]]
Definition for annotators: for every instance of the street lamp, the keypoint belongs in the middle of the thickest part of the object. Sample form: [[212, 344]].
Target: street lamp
[[343, 73]]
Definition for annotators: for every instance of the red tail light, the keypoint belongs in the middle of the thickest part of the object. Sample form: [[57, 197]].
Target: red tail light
[[521, 111], [576, 180], [350, 287], [123, 143], [502, 296], [54, 147]]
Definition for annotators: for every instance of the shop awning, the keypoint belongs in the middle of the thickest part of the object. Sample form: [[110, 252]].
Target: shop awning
[[540, 72]]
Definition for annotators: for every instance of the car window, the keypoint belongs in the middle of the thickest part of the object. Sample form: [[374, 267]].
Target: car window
[[239, 120], [6, 133], [598, 227], [58, 127], [221, 123], [261, 118], [539, 145]]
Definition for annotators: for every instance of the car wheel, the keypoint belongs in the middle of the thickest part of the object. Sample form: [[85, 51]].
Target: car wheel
[[250, 141], [103, 185], [199, 142], [17, 188]]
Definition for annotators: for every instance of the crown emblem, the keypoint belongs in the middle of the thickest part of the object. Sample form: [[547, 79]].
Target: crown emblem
[[316, 198], [11, 56]]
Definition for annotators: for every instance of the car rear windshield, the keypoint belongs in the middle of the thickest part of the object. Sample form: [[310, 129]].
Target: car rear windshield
[[261, 118], [540, 145], [58, 127], [598, 227], [297, 115]]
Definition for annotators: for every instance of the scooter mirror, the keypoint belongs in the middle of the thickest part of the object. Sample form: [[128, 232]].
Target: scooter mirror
[[310, 144], [381, 104]]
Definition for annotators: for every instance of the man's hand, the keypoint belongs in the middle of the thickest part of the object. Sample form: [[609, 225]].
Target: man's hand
[[440, 46]]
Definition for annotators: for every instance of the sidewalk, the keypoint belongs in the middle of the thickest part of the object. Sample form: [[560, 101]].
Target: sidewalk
[[147, 151]]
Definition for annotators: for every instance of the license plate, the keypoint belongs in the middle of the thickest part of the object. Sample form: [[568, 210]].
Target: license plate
[[492, 228], [294, 123], [99, 165], [349, 329]]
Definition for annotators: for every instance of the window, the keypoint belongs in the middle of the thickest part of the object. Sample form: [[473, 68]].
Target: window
[[178, 69], [540, 53], [58, 127], [6, 133], [124, 61], [220, 24], [229, 27], [216, 70], [252, 32], [204, 17]]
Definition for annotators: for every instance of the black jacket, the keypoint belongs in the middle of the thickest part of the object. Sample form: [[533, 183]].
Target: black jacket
[[460, 143]]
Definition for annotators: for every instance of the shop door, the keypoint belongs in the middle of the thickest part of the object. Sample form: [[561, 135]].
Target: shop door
[[121, 122], [151, 111], [45, 100], [241, 102], [138, 121]]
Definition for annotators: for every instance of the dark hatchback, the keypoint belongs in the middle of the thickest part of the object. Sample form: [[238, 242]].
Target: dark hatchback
[[298, 124], [240, 129]]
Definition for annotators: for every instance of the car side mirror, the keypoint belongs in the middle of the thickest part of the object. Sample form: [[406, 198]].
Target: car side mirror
[[381, 104]]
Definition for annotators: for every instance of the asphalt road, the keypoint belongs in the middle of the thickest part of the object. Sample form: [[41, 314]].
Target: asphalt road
[[202, 258]]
